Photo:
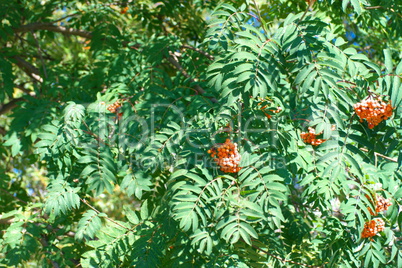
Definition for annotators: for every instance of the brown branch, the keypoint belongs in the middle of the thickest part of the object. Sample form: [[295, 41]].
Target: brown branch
[[209, 56], [68, 16], [46, 57], [44, 242], [40, 54], [175, 62], [259, 18], [381, 155], [309, 7], [381, 7], [28, 68], [391, 75], [97, 211], [23, 89], [348, 82], [15, 197], [54, 28], [6, 221], [89, 132], [374, 7], [4, 108], [285, 260]]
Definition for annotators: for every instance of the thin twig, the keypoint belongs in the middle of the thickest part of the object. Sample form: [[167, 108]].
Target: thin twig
[[391, 75], [89, 132], [40, 54], [260, 18], [53, 28], [346, 81], [285, 260], [27, 91], [4, 108], [175, 62], [19, 199], [66, 17], [374, 7], [28, 68], [46, 57], [97, 211], [381, 7], [380, 155], [309, 7], [206, 54]]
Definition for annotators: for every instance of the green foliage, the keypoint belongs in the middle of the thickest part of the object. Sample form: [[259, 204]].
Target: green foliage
[[108, 111], [61, 198], [89, 225]]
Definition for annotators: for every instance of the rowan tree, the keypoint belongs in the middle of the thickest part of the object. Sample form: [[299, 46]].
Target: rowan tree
[[200, 133]]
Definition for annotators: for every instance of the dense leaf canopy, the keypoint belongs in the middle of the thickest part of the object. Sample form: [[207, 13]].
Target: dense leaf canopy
[[200, 133]]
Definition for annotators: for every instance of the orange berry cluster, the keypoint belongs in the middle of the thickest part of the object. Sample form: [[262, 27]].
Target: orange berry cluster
[[382, 204], [227, 157], [371, 228], [373, 110], [114, 107], [310, 137]]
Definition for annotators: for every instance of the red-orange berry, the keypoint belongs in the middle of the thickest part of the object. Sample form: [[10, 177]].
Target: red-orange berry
[[124, 10], [371, 228], [114, 107], [228, 157], [381, 204], [310, 137], [374, 110]]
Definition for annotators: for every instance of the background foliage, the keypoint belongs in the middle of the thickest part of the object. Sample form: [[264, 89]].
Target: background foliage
[[82, 186]]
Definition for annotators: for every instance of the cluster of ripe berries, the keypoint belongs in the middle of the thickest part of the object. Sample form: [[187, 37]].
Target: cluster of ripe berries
[[373, 110], [382, 204], [115, 108], [371, 228], [310, 137], [226, 156]]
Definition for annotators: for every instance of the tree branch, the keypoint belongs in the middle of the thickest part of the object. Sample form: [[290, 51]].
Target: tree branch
[[4, 108], [68, 16], [46, 56], [175, 62], [209, 56], [54, 28], [15, 197], [40, 51], [23, 89], [28, 68], [381, 155], [374, 7], [106, 217], [381, 7], [285, 260]]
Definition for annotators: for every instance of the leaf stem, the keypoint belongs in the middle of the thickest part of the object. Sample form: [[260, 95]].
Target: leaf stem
[[285, 260], [106, 217]]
